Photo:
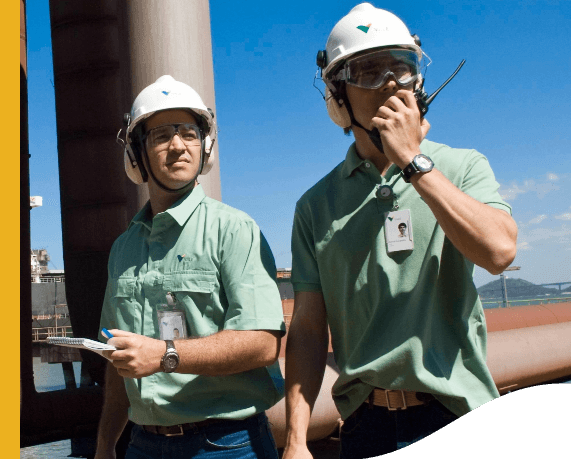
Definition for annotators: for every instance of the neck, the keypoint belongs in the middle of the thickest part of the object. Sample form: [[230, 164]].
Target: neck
[[160, 199], [367, 150]]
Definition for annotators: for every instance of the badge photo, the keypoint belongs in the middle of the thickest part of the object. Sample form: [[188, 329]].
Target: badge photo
[[398, 231]]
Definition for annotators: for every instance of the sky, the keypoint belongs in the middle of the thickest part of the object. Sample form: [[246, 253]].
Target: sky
[[510, 102]]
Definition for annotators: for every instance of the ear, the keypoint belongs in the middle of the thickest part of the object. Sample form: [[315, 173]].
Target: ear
[[133, 172], [338, 114], [209, 157]]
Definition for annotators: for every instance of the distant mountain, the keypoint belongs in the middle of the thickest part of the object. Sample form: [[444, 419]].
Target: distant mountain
[[517, 288], [568, 289]]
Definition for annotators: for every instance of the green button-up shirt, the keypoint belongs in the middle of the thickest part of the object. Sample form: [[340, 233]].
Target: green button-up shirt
[[222, 272], [408, 320]]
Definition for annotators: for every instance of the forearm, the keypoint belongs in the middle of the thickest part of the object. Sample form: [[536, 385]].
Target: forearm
[[113, 415], [306, 355], [228, 352], [483, 234]]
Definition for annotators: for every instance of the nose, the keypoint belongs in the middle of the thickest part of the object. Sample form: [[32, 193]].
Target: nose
[[177, 143], [390, 84]]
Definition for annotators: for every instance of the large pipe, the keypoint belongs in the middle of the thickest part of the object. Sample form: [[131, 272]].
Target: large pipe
[[498, 319], [174, 38], [527, 356], [324, 419], [92, 91]]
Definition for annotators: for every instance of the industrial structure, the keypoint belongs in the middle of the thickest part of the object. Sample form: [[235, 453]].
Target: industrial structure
[[101, 61]]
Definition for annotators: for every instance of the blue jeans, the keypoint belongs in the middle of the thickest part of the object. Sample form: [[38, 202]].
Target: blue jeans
[[374, 430], [250, 439]]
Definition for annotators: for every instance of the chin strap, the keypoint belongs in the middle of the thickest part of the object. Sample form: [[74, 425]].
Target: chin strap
[[373, 134]]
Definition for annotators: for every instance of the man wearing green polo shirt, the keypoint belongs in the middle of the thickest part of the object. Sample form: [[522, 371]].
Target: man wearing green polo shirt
[[191, 300], [407, 327]]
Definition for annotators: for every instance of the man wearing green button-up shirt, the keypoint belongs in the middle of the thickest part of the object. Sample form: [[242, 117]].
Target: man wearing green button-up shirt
[[192, 268], [407, 327]]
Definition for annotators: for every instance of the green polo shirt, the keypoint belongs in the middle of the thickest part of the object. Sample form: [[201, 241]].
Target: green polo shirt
[[408, 320], [222, 272]]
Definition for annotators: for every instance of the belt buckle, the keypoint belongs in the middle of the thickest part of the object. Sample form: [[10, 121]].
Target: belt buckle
[[389, 407], [176, 434]]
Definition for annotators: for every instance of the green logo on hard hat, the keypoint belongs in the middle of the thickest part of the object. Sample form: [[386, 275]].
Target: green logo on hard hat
[[364, 28]]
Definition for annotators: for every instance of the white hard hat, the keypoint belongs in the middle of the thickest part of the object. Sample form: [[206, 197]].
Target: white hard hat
[[165, 94], [365, 27]]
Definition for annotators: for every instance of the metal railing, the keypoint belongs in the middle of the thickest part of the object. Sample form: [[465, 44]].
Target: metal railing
[[41, 334], [534, 301]]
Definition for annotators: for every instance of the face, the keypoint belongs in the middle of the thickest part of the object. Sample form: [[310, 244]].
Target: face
[[366, 102], [174, 164], [365, 69]]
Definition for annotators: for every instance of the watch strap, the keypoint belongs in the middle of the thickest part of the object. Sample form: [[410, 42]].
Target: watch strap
[[409, 171], [170, 346]]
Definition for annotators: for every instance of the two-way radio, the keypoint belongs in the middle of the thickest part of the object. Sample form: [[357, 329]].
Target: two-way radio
[[423, 100]]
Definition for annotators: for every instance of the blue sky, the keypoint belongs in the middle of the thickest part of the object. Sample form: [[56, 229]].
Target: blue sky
[[510, 101]]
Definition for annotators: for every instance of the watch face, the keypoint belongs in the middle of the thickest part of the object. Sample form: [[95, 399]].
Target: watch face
[[170, 362], [423, 163]]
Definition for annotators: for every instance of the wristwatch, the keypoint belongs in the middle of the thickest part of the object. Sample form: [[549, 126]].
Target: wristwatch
[[420, 163], [170, 360]]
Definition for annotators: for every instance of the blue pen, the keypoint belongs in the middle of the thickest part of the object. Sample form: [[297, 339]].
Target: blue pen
[[106, 333]]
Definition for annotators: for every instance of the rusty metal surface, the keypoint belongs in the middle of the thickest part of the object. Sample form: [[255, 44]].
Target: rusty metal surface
[[530, 355], [527, 316]]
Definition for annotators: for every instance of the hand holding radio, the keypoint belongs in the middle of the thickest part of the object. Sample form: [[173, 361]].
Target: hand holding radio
[[400, 127], [423, 100]]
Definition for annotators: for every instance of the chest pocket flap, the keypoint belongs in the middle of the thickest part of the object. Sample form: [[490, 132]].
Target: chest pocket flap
[[123, 287], [190, 281]]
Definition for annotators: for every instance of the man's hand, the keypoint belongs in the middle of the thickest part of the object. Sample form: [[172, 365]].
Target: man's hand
[[401, 128], [136, 355], [296, 452]]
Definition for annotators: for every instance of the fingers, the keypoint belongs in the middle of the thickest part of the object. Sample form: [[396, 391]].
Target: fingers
[[424, 126]]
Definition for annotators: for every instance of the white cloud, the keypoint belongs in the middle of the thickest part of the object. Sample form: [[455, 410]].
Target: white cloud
[[523, 246], [537, 219], [541, 188]]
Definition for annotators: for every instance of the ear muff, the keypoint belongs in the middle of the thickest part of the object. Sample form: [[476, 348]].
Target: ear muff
[[338, 114], [209, 157], [133, 172]]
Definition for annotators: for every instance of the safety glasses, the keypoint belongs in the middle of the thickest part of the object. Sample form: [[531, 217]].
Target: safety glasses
[[371, 71], [161, 136]]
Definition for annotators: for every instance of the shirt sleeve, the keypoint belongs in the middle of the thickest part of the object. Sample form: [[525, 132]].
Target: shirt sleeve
[[248, 274], [480, 183], [304, 268], [107, 317]]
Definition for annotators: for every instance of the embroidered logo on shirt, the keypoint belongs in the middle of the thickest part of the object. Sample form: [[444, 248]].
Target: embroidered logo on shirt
[[180, 257]]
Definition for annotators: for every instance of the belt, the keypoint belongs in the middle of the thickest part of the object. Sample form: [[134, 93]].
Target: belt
[[180, 429], [398, 399]]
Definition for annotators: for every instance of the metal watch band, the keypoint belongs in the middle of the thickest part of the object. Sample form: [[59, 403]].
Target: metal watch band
[[170, 345]]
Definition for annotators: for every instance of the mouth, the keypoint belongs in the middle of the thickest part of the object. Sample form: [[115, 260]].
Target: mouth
[[178, 161]]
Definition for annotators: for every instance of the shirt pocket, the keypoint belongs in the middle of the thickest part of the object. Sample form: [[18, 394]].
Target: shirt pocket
[[126, 308], [195, 293]]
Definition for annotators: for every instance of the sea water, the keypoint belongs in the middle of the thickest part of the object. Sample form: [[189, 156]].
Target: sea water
[[48, 377]]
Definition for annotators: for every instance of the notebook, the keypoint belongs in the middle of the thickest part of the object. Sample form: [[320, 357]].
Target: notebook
[[82, 343]]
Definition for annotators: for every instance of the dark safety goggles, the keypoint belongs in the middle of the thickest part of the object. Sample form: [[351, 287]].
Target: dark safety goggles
[[161, 136], [371, 70]]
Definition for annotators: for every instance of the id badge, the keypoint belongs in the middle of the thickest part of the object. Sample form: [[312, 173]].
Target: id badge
[[171, 320], [398, 231]]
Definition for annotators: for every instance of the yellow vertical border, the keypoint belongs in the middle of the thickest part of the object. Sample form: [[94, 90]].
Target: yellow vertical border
[[10, 231]]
